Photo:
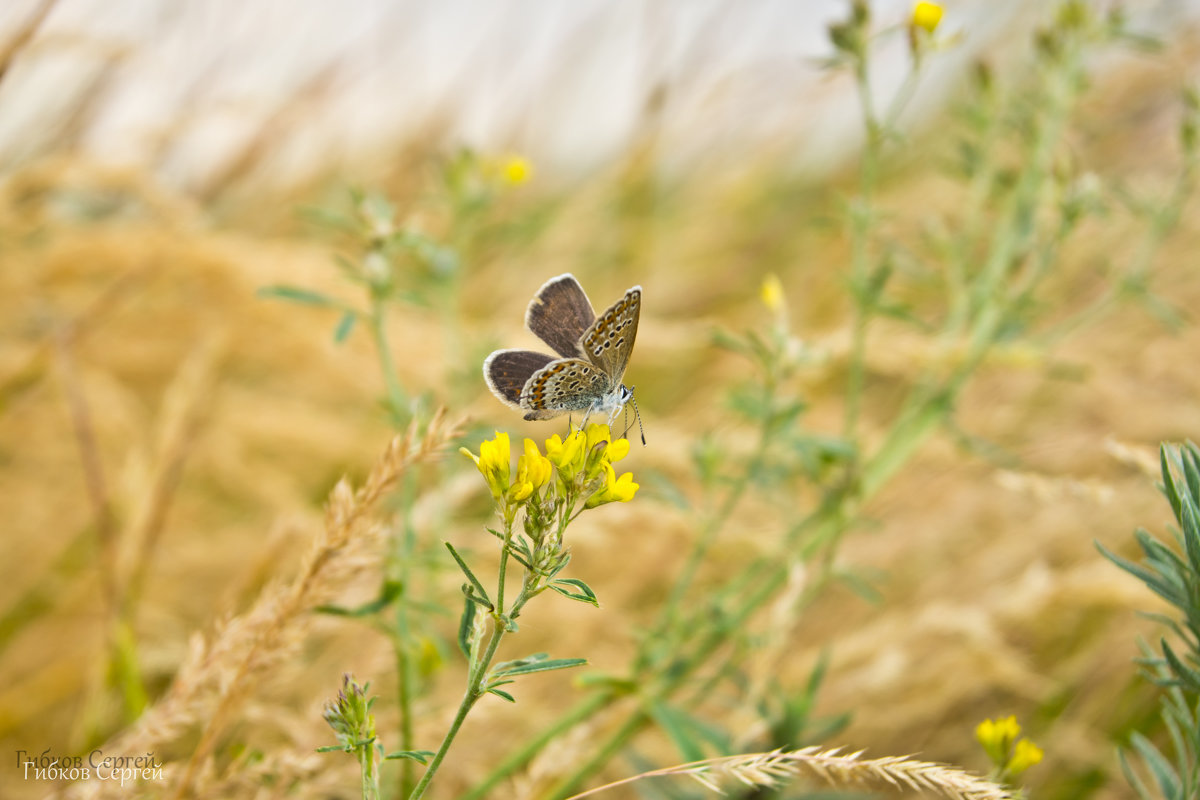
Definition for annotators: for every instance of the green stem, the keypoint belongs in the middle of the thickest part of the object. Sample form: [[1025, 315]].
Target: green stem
[[401, 557], [708, 533], [474, 691], [860, 241], [370, 779], [396, 398], [477, 677]]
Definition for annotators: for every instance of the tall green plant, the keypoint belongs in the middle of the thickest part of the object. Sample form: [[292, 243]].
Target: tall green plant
[[1171, 569]]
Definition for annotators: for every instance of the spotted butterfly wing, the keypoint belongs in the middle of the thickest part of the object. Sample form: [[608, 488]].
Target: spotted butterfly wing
[[608, 342], [563, 385]]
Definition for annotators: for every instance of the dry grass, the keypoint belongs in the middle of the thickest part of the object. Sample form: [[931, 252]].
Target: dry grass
[[849, 771], [218, 674]]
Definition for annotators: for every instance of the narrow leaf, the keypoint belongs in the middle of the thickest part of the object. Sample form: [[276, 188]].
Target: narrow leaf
[[1169, 487], [542, 666], [345, 326], [520, 662], [1191, 470], [1191, 533], [504, 695], [421, 756], [584, 595], [297, 295], [1186, 676], [466, 627], [1164, 774], [672, 723], [470, 575]]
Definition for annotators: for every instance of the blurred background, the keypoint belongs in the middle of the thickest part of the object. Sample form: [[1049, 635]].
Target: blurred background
[[181, 384]]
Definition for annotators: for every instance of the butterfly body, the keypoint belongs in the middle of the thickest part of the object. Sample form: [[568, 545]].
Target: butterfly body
[[593, 353]]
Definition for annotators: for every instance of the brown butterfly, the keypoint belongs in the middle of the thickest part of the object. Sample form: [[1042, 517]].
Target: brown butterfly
[[593, 353]]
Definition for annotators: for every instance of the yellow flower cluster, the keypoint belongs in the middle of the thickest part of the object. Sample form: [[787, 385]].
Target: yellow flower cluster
[[583, 462], [1010, 754]]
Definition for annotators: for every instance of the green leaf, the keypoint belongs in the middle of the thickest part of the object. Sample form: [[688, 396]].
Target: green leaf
[[1164, 774], [1186, 677], [1191, 533], [470, 575], [1191, 469], [345, 326], [584, 595], [466, 627], [388, 592], [1169, 487], [538, 662], [687, 732], [1133, 778], [1152, 579], [298, 295], [612, 683], [504, 695], [421, 756]]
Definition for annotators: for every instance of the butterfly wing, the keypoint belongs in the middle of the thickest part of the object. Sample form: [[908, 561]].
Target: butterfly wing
[[559, 314], [608, 342], [565, 384], [507, 371]]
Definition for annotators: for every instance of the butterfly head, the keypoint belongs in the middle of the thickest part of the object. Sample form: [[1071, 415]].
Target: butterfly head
[[611, 403]]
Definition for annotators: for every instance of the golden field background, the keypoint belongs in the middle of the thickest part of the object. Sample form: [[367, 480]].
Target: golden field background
[[219, 421]]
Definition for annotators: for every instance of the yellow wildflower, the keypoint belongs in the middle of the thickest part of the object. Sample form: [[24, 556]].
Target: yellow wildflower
[[567, 455], [516, 170], [493, 463], [1010, 754], [926, 16], [771, 293], [614, 489], [997, 737], [533, 471], [536, 465], [1025, 755]]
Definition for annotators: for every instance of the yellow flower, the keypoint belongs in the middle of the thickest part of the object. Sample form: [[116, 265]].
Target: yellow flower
[[598, 442], [568, 455], [926, 16], [997, 737], [1025, 755], [493, 462], [516, 170], [614, 489], [533, 471], [616, 450], [771, 293], [535, 465]]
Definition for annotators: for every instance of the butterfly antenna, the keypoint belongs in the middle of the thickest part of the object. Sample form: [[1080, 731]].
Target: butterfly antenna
[[636, 414]]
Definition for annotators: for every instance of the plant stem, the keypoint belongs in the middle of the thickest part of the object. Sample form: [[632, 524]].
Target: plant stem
[[474, 692], [396, 399], [370, 780], [861, 219], [401, 556]]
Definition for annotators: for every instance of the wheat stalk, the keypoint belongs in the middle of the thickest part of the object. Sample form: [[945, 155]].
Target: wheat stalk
[[833, 767], [218, 674]]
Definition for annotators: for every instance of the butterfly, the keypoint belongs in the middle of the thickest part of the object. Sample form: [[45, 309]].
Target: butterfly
[[593, 353]]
